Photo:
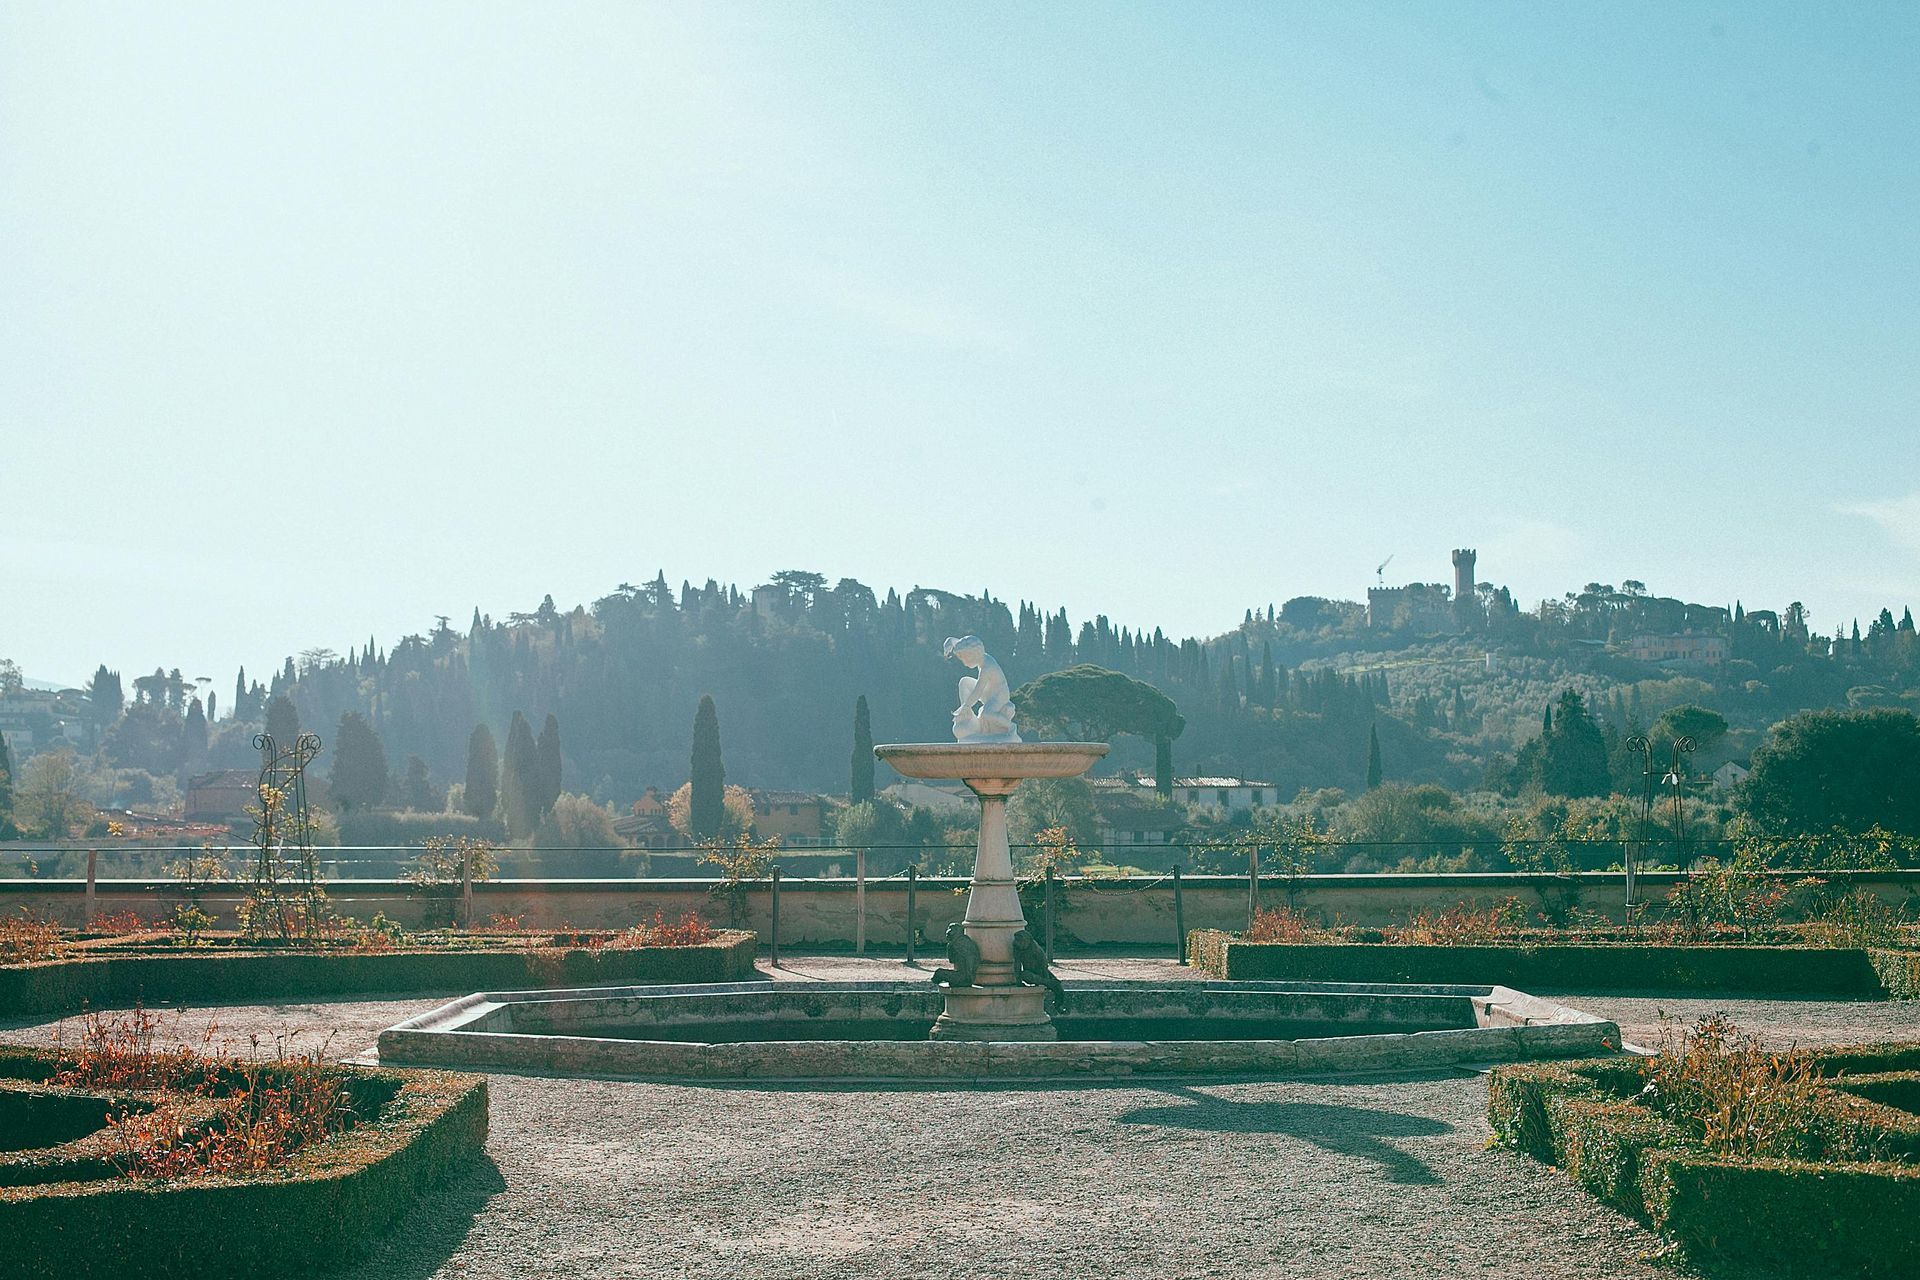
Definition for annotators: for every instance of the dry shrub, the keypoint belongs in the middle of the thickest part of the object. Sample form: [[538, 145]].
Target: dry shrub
[[1462, 925], [690, 930], [26, 937], [1288, 925], [264, 1110], [268, 1114], [120, 923], [1739, 1097]]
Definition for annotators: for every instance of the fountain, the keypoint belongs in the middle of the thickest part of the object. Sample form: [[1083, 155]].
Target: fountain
[[985, 1016], [990, 1002]]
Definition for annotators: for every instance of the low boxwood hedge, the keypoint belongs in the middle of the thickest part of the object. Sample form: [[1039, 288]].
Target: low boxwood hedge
[[1898, 971], [324, 1207], [1734, 1215], [106, 977], [1621, 966]]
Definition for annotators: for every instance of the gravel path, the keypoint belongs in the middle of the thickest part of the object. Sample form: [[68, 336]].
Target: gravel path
[[1781, 1023], [1384, 1177]]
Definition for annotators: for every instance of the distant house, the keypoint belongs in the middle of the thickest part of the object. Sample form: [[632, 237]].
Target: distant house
[[1218, 795], [1131, 822], [794, 816], [920, 795], [1697, 647], [226, 797], [651, 804], [1730, 775], [646, 831]]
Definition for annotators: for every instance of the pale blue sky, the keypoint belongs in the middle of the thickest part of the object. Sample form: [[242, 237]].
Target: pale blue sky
[[317, 321]]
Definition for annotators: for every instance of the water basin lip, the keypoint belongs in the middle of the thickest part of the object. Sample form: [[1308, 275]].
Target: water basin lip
[[1480, 991], [994, 1062]]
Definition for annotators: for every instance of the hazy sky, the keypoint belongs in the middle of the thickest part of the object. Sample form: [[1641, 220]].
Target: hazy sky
[[316, 322]]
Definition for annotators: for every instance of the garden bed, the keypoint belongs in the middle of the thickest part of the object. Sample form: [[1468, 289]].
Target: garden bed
[[1529, 965], [157, 968], [81, 1196], [1799, 1167]]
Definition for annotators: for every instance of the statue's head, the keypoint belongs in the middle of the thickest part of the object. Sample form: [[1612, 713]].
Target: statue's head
[[954, 930], [969, 649]]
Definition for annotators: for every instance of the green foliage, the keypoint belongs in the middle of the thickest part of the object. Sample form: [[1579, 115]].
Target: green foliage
[[520, 780], [1573, 760], [1704, 726], [6, 789], [576, 822], [1092, 704], [707, 774], [481, 794], [860, 781], [359, 776], [50, 798], [549, 764], [869, 823], [1039, 804], [1837, 770], [1373, 757], [283, 722]]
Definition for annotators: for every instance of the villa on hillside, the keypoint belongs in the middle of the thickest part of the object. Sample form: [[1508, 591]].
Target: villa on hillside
[[224, 797], [797, 817], [1707, 650]]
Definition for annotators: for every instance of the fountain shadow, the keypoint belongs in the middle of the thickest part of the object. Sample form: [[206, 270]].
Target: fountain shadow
[[1362, 1132]]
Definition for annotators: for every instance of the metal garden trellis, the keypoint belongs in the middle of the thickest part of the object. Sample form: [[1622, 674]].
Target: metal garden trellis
[[283, 825], [1675, 777]]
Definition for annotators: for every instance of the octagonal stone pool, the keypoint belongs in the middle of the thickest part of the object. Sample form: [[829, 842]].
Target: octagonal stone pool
[[879, 1031]]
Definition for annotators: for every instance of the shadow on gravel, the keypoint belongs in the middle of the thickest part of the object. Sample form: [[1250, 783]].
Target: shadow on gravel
[[419, 1244], [1344, 1130]]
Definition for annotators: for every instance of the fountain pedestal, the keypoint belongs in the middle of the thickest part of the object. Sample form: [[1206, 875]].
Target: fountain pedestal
[[996, 1006]]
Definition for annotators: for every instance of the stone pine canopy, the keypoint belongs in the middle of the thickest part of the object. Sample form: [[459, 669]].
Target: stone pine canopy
[[1087, 703]]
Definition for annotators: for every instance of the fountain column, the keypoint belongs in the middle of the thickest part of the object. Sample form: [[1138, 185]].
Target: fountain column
[[989, 757], [993, 897]]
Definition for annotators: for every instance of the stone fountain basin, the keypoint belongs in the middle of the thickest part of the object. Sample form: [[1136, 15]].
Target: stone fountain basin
[[949, 760], [876, 1031]]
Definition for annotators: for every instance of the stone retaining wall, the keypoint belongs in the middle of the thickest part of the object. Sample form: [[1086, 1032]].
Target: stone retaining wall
[[1137, 912]]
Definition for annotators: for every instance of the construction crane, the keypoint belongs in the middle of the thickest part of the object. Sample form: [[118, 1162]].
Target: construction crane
[[1380, 572]]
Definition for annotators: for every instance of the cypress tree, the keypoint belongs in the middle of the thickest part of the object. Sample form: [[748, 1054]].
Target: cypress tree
[[548, 748], [419, 786], [861, 787], [520, 779], [283, 722], [240, 692], [1373, 756], [482, 790], [6, 786], [708, 774], [194, 734], [105, 697], [359, 776]]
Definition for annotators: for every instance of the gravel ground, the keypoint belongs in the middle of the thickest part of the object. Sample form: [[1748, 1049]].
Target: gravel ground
[[1308, 1179]]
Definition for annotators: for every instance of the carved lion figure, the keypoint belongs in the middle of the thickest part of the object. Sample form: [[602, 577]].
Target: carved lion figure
[[963, 953]]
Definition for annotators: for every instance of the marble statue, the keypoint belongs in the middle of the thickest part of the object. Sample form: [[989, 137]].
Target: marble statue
[[986, 689], [1030, 968], [964, 954]]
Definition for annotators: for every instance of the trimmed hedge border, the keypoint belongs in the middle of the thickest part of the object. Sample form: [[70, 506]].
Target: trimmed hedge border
[[102, 979], [1579, 966], [329, 1204], [1797, 1218]]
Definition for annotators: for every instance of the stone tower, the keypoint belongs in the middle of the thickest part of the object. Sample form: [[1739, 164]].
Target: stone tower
[[1466, 604]]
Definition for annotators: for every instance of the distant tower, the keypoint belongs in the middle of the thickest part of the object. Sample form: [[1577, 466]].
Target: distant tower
[[1466, 604]]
